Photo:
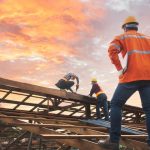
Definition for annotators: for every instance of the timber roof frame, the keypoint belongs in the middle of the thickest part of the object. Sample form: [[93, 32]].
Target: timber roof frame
[[50, 119]]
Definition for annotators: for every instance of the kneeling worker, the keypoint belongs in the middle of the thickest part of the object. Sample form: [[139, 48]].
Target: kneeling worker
[[65, 82], [101, 99]]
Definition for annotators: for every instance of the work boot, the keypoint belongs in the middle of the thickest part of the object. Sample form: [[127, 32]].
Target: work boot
[[107, 144]]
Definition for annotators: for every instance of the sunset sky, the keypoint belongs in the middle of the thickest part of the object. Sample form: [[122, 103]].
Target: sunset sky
[[42, 40]]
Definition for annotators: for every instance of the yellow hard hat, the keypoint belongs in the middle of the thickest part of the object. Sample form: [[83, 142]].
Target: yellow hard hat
[[130, 19], [94, 80]]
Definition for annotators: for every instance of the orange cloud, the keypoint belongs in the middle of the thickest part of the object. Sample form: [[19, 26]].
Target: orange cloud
[[42, 26], [39, 18]]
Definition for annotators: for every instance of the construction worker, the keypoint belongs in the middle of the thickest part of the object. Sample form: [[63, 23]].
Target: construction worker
[[65, 82], [135, 76], [101, 99]]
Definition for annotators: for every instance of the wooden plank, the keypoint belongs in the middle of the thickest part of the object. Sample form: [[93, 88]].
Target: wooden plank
[[53, 125], [39, 118], [37, 114], [38, 104], [19, 103], [87, 111], [5, 96], [22, 101], [50, 136], [86, 131]]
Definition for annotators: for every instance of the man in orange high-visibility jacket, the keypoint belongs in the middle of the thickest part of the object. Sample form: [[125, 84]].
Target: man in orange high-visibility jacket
[[135, 76]]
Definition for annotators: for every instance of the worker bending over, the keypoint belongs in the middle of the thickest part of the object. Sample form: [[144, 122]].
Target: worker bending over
[[66, 84], [101, 99]]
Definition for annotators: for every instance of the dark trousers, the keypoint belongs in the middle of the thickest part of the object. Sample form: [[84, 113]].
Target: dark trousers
[[63, 84], [121, 95], [102, 102]]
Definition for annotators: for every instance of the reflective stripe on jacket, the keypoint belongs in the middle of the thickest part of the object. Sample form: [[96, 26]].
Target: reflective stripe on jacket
[[137, 47], [98, 93]]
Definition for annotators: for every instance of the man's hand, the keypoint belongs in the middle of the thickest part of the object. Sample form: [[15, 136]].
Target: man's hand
[[71, 90], [77, 87], [122, 71], [89, 96]]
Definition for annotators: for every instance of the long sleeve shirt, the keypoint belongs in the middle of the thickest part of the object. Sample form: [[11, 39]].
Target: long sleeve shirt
[[137, 48], [95, 89], [70, 76]]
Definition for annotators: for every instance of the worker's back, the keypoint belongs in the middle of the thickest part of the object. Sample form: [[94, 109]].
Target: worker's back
[[137, 48]]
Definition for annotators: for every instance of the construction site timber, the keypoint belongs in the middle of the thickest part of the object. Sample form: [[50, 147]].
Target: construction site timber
[[39, 118]]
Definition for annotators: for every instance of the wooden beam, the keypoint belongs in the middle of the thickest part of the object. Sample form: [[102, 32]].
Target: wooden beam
[[22, 102], [39, 118], [48, 91], [39, 104], [87, 111], [37, 114], [52, 125], [5, 96], [50, 136], [30, 104]]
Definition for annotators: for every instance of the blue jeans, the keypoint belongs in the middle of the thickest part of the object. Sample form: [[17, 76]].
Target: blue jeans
[[102, 102], [121, 95]]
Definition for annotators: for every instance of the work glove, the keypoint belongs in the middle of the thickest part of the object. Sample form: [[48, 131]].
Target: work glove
[[122, 71], [89, 96], [71, 90]]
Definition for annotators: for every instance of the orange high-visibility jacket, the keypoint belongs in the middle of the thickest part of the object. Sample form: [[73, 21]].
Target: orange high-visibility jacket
[[137, 48]]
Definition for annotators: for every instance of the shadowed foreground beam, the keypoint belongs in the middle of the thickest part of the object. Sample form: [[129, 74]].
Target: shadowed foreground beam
[[81, 144], [50, 136], [53, 125]]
